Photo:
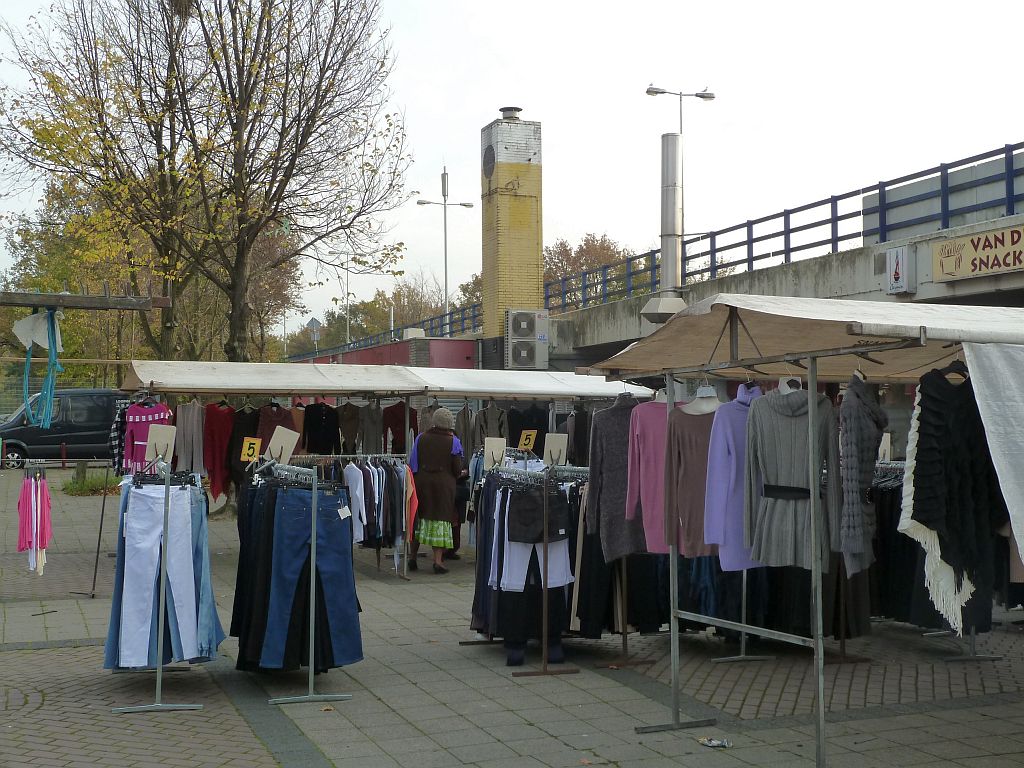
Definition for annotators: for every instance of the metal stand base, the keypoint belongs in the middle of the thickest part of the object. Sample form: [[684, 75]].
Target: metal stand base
[[310, 697], [545, 672], [742, 657], [846, 659], [155, 708], [619, 663], [682, 725], [490, 641], [972, 651]]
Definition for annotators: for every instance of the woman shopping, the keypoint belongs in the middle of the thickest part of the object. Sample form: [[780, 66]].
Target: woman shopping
[[436, 463]]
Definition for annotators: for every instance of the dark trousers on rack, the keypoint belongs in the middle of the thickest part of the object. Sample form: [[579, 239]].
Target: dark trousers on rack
[[334, 569], [520, 614]]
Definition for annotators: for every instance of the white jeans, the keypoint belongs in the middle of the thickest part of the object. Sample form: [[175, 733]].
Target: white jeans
[[516, 561], [143, 531]]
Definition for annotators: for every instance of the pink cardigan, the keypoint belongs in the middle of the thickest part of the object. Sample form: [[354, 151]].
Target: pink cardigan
[[25, 516]]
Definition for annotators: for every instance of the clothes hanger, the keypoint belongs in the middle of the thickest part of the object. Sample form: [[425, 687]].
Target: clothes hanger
[[790, 382], [706, 390], [957, 367]]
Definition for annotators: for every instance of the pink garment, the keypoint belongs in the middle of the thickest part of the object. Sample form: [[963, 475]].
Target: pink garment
[[25, 539], [645, 485], [138, 419]]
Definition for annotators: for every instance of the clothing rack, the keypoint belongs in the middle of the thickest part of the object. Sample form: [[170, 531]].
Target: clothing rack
[[530, 477], [305, 475], [163, 469], [315, 458]]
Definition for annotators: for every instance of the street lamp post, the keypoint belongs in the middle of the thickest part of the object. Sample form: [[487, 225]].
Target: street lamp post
[[702, 95], [669, 300], [348, 294], [445, 326]]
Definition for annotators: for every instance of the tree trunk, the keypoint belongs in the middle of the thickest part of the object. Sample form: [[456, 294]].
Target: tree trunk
[[237, 346]]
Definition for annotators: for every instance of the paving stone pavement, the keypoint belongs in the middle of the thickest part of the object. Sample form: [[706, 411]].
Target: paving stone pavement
[[421, 699]]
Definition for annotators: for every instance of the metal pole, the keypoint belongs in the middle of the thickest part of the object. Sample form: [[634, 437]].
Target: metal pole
[[99, 536], [545, 628], [444, 205], [673, 569], [743, 633], [312, 587], [671, 534], [814, 484], [165, 469], [162, 620], [310, 695], [348, 300], [408, 533]]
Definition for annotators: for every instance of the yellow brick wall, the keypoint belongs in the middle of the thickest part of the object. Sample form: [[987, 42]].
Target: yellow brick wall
[[513, 263]]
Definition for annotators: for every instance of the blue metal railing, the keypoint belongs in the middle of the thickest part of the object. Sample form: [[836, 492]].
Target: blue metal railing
[[461, 320], [807, 231], [814, 229]]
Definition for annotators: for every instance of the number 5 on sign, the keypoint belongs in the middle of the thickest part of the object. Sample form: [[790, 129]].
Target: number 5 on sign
[[251, 448], [528, 439]]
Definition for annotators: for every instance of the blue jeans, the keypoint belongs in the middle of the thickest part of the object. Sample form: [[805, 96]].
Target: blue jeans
[[210, 632], [333, 566]]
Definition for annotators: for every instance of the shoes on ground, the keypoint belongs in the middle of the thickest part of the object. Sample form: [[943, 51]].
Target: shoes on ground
[[440, 568]]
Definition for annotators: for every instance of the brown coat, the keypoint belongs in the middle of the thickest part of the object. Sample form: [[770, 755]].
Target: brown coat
[[435, 475]]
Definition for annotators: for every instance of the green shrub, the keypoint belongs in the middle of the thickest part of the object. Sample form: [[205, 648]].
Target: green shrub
[[91, 485]]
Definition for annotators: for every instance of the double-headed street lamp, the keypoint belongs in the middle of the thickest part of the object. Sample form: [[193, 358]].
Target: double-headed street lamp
[[702, 95], [444, 204]]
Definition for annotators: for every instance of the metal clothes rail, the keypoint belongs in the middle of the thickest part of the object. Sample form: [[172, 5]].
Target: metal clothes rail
[[815, 642], [305, 475]]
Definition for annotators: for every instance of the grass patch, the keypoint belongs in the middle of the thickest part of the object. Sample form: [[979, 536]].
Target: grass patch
[[92, 485]]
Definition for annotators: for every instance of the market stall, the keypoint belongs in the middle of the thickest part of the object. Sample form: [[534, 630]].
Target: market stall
[[736, 337]]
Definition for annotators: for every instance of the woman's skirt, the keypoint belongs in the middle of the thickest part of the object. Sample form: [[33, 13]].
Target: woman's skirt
[[434, 533]]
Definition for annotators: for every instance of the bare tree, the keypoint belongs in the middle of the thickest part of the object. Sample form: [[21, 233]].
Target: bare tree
[[207, 124]]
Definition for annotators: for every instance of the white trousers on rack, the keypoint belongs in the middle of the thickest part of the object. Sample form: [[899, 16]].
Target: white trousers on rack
[[143, 532], [516, 556]]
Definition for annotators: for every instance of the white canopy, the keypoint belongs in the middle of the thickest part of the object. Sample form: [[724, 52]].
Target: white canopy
[[380, 380], [777, 327], [526, 385]]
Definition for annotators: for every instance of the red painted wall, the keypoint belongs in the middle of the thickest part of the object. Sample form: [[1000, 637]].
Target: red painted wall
[[452, 353], [387, 354]]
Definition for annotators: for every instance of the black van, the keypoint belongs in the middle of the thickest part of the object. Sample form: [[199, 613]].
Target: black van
[[81, 423]]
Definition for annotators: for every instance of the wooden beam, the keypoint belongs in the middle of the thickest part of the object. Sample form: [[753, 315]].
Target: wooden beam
[[78, 301], [81, 361]]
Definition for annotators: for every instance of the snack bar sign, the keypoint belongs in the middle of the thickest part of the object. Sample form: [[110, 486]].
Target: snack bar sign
[[981, 255]]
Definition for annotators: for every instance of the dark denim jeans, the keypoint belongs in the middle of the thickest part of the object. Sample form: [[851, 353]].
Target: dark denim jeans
[[333, 565]]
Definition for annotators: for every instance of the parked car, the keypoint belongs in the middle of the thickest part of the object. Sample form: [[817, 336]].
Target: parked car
[[81, 424]]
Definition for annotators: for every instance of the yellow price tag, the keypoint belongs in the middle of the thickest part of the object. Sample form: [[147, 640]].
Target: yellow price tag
[[251, 448], [528, 439]]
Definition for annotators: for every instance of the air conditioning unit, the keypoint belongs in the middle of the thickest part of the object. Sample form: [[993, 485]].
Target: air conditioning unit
[[526, 340]]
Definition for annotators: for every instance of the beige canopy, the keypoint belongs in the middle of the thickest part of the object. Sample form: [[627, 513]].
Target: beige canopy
[[739, 335]]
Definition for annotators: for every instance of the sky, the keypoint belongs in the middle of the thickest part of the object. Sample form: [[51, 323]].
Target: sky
[[813, 98]]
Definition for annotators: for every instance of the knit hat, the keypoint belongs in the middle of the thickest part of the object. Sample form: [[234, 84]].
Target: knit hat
[[443, 419]]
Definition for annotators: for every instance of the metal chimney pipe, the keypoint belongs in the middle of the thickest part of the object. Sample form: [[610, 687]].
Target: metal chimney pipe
[[671, 212]]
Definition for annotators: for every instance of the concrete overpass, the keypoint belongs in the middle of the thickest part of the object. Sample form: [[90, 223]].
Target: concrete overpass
[[588, 335]]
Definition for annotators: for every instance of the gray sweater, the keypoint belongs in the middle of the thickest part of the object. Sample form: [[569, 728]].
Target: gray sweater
[[606, 491], [778, 531], [863, 422]]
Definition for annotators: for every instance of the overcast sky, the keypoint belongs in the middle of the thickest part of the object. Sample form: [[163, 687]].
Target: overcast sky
[[814, 98]]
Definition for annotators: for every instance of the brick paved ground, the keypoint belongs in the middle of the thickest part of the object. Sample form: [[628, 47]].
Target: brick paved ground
[[422, 700]]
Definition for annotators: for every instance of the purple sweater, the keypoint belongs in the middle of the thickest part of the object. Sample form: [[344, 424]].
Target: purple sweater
[[645, 485], [723, 503]]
